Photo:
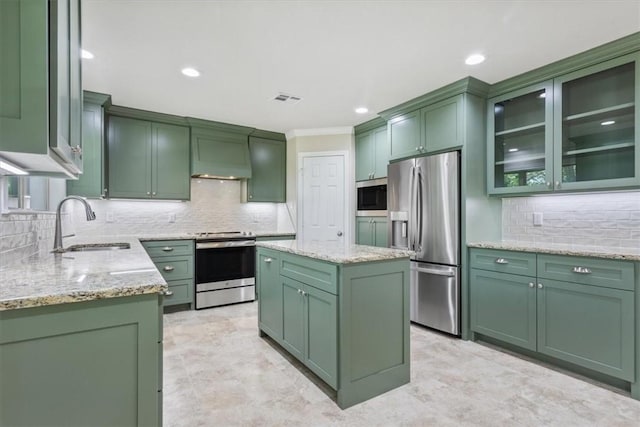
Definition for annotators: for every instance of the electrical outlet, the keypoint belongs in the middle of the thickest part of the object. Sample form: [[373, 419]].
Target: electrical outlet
[[109, 216], [537, 219], [172, 217]]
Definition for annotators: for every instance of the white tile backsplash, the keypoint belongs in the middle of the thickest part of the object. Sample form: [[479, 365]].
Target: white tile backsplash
[[603, 219], [23, 234]]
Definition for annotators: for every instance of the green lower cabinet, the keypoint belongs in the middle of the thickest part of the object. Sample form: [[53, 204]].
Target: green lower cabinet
[[590, 326], [174, 259], [293, 318], [371, 231], [270, 294], [87, 363], [353, 333], [504, 307], [321, 336]]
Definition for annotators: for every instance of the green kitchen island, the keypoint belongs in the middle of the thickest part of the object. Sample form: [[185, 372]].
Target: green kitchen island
[[81, 338], [341, 310]]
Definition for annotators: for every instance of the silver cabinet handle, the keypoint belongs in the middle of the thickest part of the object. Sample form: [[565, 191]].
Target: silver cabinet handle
[[268, 260], [417, 148], [540, 286], [168, 293], [167, 249], [421, 148], [76, 150], [154, 193], [299, 291], [557, 184], [168, 268], [304, 294], [148, 193], [501, 261], [531, 285], [339, 233], [250, 196], [549, 184], [581, 270]]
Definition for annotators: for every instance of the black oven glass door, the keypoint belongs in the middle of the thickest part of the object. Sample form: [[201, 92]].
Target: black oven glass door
[[372, 198], [221, 264]]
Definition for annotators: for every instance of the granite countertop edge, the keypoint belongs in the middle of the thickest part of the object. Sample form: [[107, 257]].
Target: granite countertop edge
[[335, 253], [622, 254]]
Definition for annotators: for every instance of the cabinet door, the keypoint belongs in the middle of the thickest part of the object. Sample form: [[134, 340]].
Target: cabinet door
[[268, 170], [382, 151], [170, 162], [364, 231], [442, 124], [321, 333], [587, 325], [503, 306], [595, 121], [223, 152], [129, 157], [520, 141], [380, 232], [364, 156], [404, 135], [23, 77], [90, 183], [269, 294], [293, 317]]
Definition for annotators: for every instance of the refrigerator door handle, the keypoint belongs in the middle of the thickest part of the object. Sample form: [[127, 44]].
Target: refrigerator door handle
[[448, 273], [412, 203], [419, 207]]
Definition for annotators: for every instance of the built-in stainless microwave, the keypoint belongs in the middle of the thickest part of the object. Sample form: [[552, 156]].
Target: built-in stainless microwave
[[372, 197]]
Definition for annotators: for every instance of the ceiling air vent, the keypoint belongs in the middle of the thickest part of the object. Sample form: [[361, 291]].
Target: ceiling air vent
[[287, 99]]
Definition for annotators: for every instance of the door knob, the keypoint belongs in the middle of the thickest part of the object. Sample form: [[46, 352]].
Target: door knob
[[339, 233]]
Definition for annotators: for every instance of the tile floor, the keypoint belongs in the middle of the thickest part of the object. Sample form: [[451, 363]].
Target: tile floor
[[218, 372]]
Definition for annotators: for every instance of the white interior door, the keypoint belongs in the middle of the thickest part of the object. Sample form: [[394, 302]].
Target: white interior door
[[323, 198]]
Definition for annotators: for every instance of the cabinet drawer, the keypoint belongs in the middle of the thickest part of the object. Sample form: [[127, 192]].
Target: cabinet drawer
[[588, 271], [162, 248], [181, 291], [318, 274], [175, 268], [523, 263]]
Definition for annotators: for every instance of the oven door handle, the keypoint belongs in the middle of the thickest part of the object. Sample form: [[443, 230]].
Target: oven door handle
[[223, 245]]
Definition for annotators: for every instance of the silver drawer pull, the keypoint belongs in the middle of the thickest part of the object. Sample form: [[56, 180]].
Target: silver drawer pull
[[268, 260], [168, 293], [581, 270], [501, 261], [531, 285], [167, 249], [168, 268]]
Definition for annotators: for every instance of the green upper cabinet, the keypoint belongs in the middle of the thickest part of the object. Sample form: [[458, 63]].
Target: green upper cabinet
[[41, 102], [442, 125], [520, 138], [147, 160], [595, 117], [268, 170], [219, 149], [575, 132], [404, 135], [372, 154], [434, 128], [92, 182]]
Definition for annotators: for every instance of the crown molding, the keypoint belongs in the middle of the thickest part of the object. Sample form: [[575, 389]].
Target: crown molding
[[344, 130]]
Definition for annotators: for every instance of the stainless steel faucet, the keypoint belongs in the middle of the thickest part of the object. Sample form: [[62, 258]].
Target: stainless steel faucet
[[57, 242]]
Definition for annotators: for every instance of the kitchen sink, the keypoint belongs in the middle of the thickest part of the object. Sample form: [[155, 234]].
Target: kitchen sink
[[97, 247]]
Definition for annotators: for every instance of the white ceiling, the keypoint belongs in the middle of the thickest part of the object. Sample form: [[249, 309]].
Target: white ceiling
[[336, 55]]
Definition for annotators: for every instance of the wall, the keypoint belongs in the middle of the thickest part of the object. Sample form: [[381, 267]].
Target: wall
[[215, 205], [317, 140], [601, 219], [23, 234]]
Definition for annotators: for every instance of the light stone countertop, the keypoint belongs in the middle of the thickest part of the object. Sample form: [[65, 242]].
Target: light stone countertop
[[336, 252], [46, 278], [623, 254]]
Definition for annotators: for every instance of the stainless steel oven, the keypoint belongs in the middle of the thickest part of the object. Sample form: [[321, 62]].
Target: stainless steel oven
[[225, 268]]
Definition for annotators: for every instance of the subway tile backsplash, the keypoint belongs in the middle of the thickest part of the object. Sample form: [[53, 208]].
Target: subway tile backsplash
[[23, 234], [600, 219]]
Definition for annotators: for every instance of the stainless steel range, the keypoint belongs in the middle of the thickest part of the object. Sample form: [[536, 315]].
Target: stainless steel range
[[225, 268]]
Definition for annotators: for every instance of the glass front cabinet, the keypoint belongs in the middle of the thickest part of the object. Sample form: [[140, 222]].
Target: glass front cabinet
[[575, 132]]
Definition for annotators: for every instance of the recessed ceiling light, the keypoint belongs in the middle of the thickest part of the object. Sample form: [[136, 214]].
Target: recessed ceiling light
[[190, 72], [607, 123], [474, 59], [362, 110], [85, 54], [513, 150]]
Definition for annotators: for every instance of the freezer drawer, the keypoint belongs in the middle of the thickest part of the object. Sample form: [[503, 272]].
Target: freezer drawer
[[435, 296]]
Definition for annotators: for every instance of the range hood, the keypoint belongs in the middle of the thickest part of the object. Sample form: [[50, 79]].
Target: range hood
[[219, 150]]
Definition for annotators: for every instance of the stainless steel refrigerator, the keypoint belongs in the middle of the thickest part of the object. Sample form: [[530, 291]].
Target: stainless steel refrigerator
[[423, 202]]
